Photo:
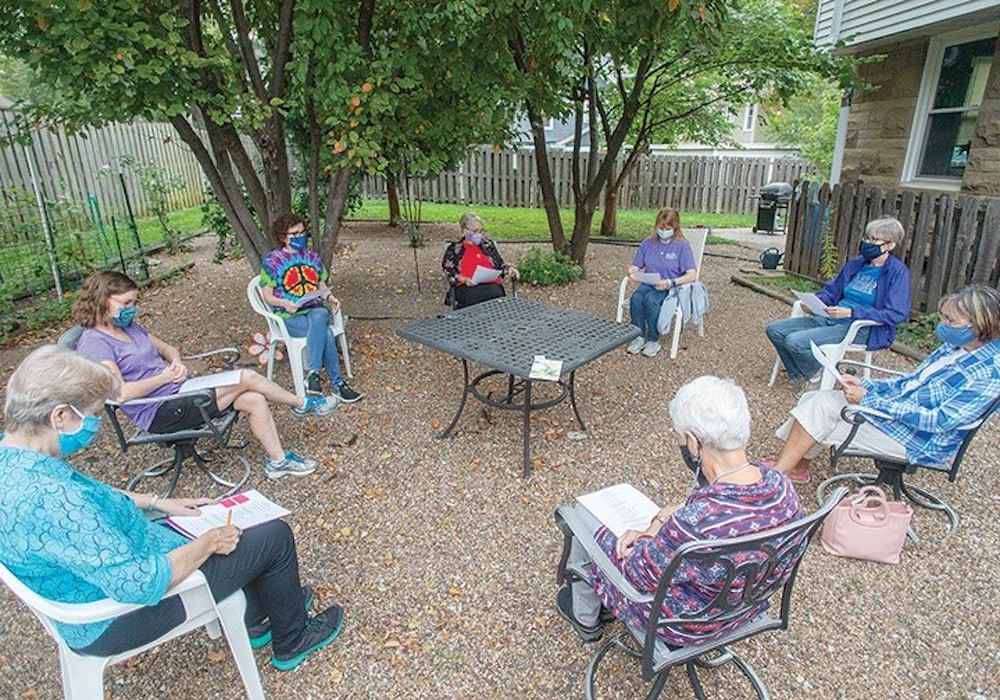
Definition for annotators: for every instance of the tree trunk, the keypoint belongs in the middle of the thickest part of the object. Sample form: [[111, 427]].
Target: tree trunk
[[392, 194], [340, 185], [609, 222], [583, 216], [549, 200]]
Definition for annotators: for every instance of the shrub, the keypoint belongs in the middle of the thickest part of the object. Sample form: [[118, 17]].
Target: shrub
[[544, 267], [918, 332]]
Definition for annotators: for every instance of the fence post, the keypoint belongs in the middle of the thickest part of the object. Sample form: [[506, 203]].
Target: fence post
[[50, 243]]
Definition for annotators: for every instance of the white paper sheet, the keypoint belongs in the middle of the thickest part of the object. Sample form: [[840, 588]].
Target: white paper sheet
[[306, 298], [812, 302], [825, 360], [248, 508], [620, 507], [545, 369], [485, 274], [211, 381], [650, 278]]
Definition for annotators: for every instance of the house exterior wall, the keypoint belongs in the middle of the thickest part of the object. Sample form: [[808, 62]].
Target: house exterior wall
[[872, 21], [982, 173]]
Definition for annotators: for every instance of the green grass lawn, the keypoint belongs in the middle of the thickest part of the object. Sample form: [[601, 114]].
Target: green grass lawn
[[511, 222]]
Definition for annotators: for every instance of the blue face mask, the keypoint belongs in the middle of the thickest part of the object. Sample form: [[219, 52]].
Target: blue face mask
[[664, 234], [297, 242], [81, 437], [951, 335], [474, 238], [870, 251], [125, 316]]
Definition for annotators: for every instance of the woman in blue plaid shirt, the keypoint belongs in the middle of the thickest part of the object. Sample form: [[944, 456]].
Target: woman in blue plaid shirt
[[927, 410]]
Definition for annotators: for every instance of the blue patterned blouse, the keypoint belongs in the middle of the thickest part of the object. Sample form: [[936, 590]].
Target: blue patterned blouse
[[76, 540]]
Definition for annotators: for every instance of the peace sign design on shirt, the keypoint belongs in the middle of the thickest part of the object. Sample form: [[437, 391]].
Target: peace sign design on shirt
[[299, 279]]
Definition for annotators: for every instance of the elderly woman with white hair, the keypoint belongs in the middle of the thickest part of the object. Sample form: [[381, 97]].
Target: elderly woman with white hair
[[462, 257], [732, 496], [874, 286], [75, 540]]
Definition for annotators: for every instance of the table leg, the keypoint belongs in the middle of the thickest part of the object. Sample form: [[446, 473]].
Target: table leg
[[572, 399], [461, 404], [527, 427]]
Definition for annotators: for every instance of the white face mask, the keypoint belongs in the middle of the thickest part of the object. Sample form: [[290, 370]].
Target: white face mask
[[664, 234]]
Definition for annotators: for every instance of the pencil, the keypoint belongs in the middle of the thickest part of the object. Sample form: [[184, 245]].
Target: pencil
[[229, 517]]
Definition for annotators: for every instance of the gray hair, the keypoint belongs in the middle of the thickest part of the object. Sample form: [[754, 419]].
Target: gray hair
[[885, 228], [469, 218], [715, 410], [981, 304], [53, 376]]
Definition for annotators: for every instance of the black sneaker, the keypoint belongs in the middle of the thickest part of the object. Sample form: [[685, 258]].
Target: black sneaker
[[564, 606], [260, 634], [314, 384], [347, 394], [320, 631]]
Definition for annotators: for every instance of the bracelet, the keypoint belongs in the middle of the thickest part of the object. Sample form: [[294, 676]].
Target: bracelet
[[153, 500], [673, 283]]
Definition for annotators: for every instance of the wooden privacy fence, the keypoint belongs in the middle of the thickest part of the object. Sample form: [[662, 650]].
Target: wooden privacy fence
[[707, 184], [951, 239]]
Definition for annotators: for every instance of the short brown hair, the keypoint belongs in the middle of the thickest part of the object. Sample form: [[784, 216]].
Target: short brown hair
[[670, 219], [92, 300], [281, 224], [981, 304]]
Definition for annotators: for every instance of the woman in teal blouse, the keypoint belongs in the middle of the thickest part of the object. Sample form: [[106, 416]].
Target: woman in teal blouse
[[72, 539]]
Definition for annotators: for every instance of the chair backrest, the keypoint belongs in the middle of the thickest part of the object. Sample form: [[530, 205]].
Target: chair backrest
[[69, 338], [257, 303], [990, 411], [697, 238], [745, 572]]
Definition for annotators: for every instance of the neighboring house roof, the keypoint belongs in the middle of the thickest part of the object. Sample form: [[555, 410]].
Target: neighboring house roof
[[864, 25]]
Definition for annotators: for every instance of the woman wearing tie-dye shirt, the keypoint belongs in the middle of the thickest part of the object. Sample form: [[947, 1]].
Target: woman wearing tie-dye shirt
[[293, 281]]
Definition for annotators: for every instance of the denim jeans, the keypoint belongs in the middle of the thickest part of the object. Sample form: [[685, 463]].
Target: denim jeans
[[314, 326], [791, 337], [644, 309]]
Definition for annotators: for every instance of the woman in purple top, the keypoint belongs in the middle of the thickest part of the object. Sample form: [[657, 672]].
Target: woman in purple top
[[874, 286], [739, 497], [147, 367], [665, 253]]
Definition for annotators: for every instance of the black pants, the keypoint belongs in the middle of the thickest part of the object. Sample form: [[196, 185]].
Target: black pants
[[264, 564], [467, 296]]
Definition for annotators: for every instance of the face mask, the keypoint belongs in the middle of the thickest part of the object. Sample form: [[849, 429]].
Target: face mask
[[125, 316], [77, 440], [664, 234], [297, 242], [870, 251], [955, 336], [474, 238]]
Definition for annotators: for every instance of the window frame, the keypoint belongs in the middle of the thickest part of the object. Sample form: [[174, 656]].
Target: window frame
[[925, 101]]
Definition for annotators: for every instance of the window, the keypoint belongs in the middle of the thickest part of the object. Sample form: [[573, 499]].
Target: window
[[955, 76], [749, 117]]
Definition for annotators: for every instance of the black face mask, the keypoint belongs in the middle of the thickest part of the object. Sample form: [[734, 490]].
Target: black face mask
[[694, 464]]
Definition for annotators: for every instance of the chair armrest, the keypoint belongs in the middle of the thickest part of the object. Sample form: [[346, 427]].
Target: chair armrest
[[876, 368], [162, 399], [577, 528], [230, 356], [855, 415]]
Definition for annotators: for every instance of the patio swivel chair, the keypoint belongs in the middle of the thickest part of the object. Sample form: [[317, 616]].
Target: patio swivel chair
[[218, 430], [83, 675], [892, 471], [697, 239], [748, 570]]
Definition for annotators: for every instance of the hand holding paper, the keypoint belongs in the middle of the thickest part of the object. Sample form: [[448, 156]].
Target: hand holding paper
[[485, 274], [812, 302], [650, 278]]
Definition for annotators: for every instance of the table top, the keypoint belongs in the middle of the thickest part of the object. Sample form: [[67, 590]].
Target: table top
[[507, 333]]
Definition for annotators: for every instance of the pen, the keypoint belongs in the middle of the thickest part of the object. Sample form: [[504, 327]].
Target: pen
[[229, 517]]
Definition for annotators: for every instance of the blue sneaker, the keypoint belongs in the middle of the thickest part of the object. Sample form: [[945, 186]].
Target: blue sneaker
[[260, 634], [317, 406], [320, 631], [290, 465]]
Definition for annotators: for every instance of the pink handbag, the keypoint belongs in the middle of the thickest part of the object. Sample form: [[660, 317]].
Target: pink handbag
[[867, 526]]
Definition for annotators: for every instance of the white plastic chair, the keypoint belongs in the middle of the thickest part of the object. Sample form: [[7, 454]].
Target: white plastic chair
[[83, 676], [696, 238], [834, 352], [278, 333]]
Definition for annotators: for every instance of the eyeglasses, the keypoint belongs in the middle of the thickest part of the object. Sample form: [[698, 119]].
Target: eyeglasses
[[879, 241], [954, 322]]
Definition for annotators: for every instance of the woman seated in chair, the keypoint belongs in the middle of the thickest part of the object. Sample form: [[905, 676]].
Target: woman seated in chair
[[148, 367], [926, 409], [665, 253], [287, 274], [73, 539], [874, 286], [461, 258], [732, 496]]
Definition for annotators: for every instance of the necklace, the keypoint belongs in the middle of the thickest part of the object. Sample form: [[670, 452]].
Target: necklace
[[731, 471]]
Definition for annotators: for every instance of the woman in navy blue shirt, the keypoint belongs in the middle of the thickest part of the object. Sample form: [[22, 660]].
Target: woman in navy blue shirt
[[874, 286]]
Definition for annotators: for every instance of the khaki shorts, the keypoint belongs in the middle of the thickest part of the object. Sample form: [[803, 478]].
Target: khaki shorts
[[818, 412]]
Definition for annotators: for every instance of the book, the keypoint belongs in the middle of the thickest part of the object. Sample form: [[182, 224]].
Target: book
[[211, 381], [244, 509], [620, 507]]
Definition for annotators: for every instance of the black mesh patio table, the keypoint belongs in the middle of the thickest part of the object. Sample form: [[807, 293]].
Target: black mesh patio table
[[505, 335]]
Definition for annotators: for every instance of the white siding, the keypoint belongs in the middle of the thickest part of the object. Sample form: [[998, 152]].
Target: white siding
[[866, 21]]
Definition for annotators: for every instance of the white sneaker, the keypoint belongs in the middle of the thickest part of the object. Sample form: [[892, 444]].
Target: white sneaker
[[636, 345], [651, 348]]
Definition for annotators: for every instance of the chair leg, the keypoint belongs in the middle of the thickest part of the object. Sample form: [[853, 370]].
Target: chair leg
[[342, 341], [751, 674], [231, 612], [675, 343], [774, 372], [297, 366], [82, 676], [271, 350]]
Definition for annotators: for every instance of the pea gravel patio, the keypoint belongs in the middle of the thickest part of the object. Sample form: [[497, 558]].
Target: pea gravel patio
[[444, 557]]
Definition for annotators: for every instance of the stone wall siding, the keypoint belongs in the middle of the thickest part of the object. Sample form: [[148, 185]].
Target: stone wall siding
[[982, 174]]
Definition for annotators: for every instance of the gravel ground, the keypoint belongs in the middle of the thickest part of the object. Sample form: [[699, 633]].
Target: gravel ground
[[444, 557]]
